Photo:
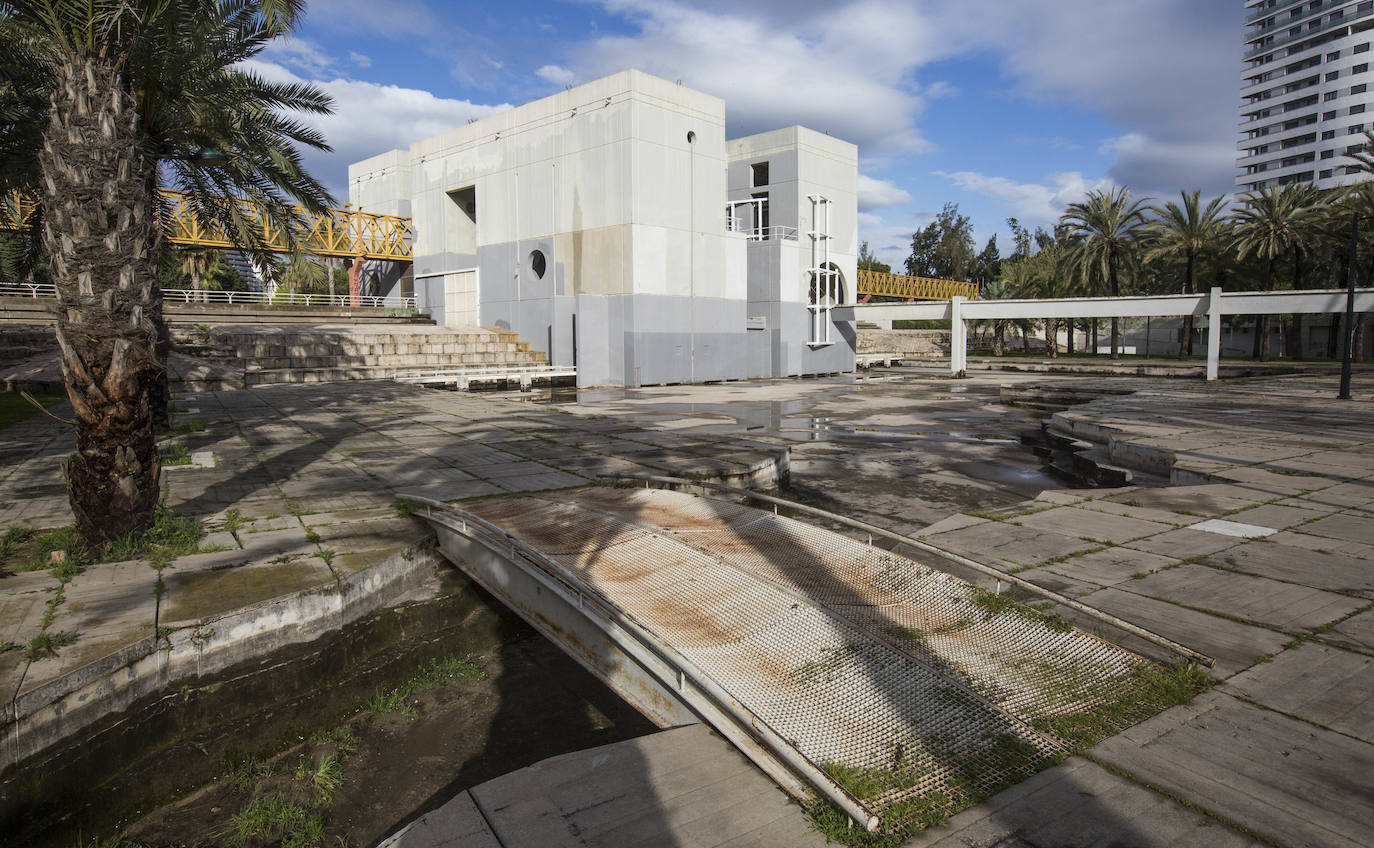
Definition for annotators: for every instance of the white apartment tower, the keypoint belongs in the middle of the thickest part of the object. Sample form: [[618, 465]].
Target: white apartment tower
[[1306, 90]]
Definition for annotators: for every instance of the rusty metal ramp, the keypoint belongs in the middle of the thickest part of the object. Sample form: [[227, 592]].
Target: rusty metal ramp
[[886, 686]]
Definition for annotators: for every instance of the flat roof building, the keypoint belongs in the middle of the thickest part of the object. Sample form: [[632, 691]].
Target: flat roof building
[[1305, 90], [614, 228]]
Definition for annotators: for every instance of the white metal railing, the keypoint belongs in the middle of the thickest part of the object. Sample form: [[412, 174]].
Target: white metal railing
[[751, 224], [236, 297]]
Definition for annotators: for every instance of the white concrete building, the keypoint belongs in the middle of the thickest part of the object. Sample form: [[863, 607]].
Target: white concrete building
[[1304, 91], [614, 227]]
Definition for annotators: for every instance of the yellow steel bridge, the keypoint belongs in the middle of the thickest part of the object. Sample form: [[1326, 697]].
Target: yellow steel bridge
[[346, 233], [878, 284]]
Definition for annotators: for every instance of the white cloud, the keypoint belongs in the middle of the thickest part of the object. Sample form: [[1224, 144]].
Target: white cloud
[[360, 60], [874, 194], [555, 74], [369, 119], [1034, 203], [1154, 166], [890, 241], [302, 55], [839, 70]]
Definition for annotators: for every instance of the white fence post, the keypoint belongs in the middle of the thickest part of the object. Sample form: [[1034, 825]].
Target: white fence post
[[958, 338], [1213, 333]]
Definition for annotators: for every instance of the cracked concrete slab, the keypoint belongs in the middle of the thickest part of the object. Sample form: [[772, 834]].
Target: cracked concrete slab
[[1243, 596], [1327, 686]]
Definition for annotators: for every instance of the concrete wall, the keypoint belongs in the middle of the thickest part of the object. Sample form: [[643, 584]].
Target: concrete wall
[[801, 163]]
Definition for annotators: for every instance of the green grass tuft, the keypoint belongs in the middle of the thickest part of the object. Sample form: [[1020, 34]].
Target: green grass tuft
[[439, 672], [1147, 690], [175, 454], [272, 819], [45, 645]]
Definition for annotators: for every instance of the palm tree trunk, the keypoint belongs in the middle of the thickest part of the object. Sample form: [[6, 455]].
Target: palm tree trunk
[[1051, 340], [1094, 350], [1357, 347], [1068, 348], [101, 237], [998, 343]]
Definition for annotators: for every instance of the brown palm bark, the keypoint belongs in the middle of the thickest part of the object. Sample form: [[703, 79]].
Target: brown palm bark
[[101, 235]]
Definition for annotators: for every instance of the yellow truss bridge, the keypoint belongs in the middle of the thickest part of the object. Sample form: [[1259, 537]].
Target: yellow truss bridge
[[348, 233], [878, 284]]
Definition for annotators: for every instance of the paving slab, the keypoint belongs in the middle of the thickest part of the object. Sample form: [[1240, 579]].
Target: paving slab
[[1246, 597], [1288, 781], [1356, 632], [1324, 685], [1185, 543], [684, 786], [1235, 646], [194, 596], [1347, 526], [1092, 525], [1112, 566], [1004, 543], [1322, 544], [1079, 804], [1322, 570], [1276, 516], [1166, 517]]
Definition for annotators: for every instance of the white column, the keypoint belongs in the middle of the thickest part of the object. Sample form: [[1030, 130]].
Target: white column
[[1213, 333], [958, 338]]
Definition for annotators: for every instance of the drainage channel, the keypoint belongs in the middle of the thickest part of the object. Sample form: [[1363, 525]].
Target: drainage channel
[[886, 686]]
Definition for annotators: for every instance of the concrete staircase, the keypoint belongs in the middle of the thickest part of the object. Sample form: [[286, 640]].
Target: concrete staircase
[[292, 354]]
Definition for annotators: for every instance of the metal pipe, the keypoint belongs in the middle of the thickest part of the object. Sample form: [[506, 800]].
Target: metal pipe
[[644, 643], [986, 570]]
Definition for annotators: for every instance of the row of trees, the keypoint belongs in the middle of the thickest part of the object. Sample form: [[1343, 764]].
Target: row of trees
[[103, 103], [1111, 243]]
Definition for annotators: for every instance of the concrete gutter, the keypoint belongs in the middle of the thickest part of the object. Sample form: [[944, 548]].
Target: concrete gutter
[[53, 712]]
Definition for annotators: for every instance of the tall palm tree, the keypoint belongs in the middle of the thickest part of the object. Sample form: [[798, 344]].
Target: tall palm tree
[[1187, 231], [118, 90], [1108, 222], [1270, 222]]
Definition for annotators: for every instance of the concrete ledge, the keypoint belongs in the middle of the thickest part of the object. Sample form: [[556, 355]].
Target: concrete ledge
[[50, 713]]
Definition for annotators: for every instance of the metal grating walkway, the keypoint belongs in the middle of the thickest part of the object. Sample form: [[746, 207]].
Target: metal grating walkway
[[903, 683]]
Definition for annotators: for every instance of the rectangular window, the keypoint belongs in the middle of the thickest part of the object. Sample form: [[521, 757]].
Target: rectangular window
[[1326, 175], [1328, 135], [1359, 69], [1350, 172], [1331, 57], [1330, 95], [1328, 154], [1354, 148], [1361, 48], [1329, 116], [1357, 109], [1333, 76], [1358, 89], [760, 173], [1367, 6]]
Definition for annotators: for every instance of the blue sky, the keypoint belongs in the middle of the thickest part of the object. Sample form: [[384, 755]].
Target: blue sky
[[1006, 107]]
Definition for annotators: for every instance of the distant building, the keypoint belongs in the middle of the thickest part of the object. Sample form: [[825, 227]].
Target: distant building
[[1305, 90], [614, 227]]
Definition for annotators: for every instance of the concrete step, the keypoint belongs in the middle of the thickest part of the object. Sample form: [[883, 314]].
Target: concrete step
[[431, 360]]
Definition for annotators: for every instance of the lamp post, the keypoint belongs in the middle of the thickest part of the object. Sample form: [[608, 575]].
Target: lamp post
[[1349, 310]]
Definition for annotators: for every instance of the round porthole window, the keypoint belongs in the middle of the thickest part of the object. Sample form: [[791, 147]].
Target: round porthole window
[[538, 264]]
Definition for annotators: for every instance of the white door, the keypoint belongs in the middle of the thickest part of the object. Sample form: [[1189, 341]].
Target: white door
[[460, 298]]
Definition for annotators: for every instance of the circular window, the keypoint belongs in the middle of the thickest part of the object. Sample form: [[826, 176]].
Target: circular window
[[538, 263]]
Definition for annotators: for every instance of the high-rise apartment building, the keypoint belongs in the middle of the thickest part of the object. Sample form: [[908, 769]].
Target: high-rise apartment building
[[1307, 93]]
